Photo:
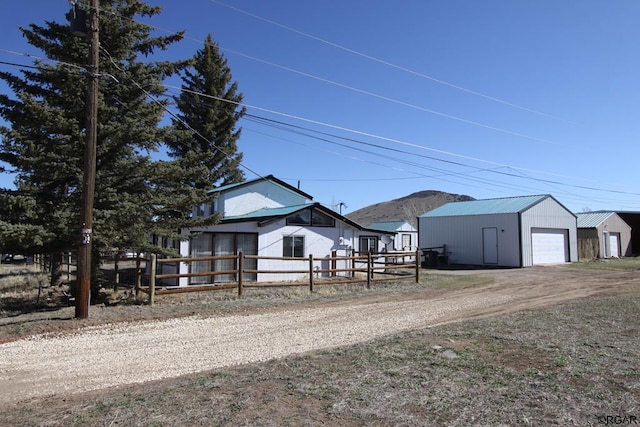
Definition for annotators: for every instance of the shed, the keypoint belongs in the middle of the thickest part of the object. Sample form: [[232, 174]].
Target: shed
[[505, 232], [603, 235], [406, 235]]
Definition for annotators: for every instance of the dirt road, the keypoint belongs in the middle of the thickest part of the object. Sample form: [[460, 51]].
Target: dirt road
[[125, 353]]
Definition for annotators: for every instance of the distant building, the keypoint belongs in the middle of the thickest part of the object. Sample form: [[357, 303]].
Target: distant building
[[603, 235], [406, 235]]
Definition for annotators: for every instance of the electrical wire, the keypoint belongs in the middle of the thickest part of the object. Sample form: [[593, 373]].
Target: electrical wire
[[383, 62], [358, 90], [325, 124]]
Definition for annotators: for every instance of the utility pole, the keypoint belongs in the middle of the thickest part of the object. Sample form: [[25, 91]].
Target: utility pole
[[83, 296]]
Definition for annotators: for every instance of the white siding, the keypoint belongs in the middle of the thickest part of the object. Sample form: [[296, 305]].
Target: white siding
[[405, 229], [547, 214], [319, 242], [259, 195], [463, 237]]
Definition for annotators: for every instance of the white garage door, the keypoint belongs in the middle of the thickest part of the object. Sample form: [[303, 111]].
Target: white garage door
[[549, 246]]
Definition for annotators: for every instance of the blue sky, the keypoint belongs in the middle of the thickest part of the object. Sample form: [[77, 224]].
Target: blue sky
[[380, 99]]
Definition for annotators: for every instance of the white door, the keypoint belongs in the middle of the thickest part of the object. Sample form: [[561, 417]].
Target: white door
[[549, 246], [614, 245], [490, 245]]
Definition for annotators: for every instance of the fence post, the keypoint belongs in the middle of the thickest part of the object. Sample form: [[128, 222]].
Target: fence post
[[152, 279], [334, 263], [116, 270], [310, 273], [138, 275], [417, 265], [68, 266], [240, 273], [369, 269]]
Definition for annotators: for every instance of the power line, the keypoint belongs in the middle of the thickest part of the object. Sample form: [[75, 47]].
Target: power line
[[177, 118], [342, 129], [383, 62], [19, 65], [358, 90], [521, 175], [349, 130], [420, 147]]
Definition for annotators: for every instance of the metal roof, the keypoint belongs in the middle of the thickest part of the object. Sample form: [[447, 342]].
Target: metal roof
[[592, 219], [486, 206], [387, 225], [269, 212], [262, 178]]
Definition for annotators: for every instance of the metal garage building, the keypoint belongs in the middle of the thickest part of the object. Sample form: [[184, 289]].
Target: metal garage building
[[506, 232], [603, 235]]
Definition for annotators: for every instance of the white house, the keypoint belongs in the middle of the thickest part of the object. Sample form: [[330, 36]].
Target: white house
[[406, 235], [508, 232], [603, 235], [270, 218]]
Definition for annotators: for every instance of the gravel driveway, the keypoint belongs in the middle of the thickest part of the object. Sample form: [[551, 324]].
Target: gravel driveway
[[138, 352], [125, 353]]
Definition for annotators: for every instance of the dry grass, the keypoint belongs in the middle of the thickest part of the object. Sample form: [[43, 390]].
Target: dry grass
[[566, 365], [570, 364]]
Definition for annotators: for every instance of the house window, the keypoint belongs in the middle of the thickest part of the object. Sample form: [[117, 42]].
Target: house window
[[310, 217], [368, 245], [319, 219], [293, 246], [300, 218]]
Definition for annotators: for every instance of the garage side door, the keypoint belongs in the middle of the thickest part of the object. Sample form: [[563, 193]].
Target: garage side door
[[614, 245], [549, 246]]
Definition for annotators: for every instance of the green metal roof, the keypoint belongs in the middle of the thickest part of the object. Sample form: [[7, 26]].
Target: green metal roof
[[387, 225], [486, 207], [268, 213], [592, 219]]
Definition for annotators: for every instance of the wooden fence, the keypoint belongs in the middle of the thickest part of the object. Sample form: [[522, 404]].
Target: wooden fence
[[361, 269]]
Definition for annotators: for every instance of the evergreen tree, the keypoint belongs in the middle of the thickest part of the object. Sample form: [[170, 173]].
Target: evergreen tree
[[135, 196], [209, 105]]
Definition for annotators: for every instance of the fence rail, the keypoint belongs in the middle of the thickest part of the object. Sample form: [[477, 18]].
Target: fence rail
[[372, 268]]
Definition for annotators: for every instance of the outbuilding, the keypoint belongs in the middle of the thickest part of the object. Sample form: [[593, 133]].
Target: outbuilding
[[603, 235], [504, 232], [406, 235]]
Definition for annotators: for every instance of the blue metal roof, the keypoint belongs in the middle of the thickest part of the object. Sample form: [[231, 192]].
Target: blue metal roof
[[592, 219], [486, 207], [387, 225], [268, 212]]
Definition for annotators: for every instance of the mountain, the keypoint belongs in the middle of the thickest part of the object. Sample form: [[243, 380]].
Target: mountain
[[406, 208]]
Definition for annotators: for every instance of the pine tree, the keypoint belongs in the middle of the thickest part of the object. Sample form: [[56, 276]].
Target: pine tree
[[135, 196], [210, 106]]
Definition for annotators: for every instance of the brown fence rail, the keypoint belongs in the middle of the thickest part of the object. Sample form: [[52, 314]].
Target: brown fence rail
[[361, 269]]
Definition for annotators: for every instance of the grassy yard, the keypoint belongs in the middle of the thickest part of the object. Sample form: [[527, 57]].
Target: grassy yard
[[571, 364]]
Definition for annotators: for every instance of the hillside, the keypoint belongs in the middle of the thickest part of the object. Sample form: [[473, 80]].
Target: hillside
[[406, 208]]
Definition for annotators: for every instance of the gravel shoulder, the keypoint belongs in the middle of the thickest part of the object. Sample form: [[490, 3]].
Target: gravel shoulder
[[97, 357]]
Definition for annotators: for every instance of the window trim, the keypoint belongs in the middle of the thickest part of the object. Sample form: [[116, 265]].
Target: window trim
[[311, 214], [375, 239], [293, 238]]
